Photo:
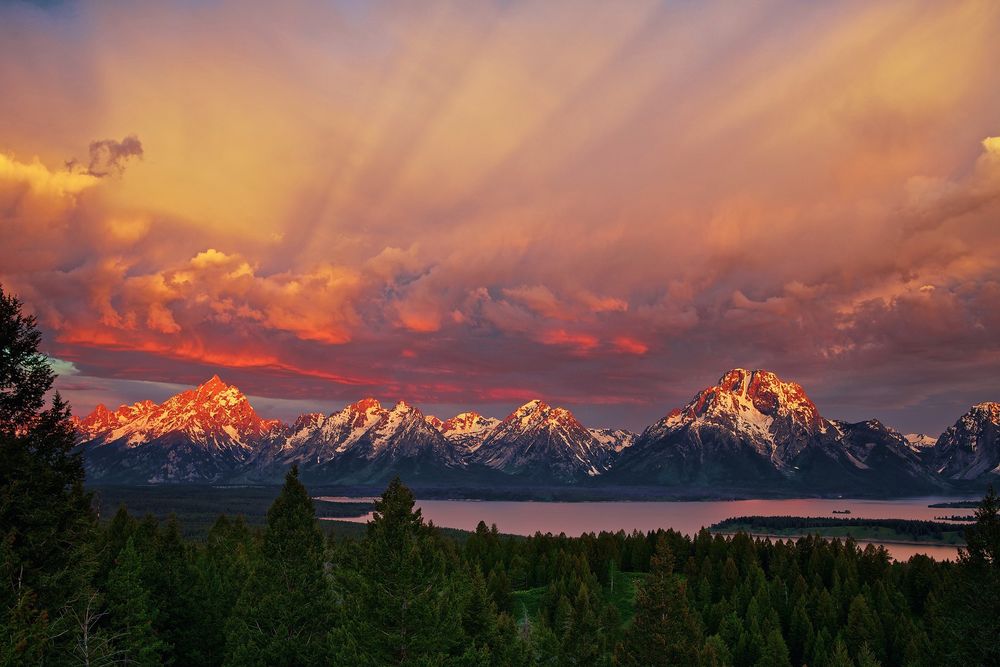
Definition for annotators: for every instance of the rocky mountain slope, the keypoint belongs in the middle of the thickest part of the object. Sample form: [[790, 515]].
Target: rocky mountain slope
[[751, 432], [468, 430], [542, 442], [362, 443], [969, 449], [205, 434], [755, 431]]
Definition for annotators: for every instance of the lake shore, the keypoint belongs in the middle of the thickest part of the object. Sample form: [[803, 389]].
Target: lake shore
[[859, 539]]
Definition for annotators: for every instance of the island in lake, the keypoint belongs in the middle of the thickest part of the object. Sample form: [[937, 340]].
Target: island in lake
[[903, 531]]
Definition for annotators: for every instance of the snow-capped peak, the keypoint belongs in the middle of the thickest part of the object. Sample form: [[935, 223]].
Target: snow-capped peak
[[403, 407], [539, 436], [918, 441], [468, 429], [616, 439], [773, 417], [366, 405], [970, 448], [987, 409], [214, 415], [102, 420], [536, 413], [213, 385], [467, 422], [308, 420], [362, 414], [757, 398]]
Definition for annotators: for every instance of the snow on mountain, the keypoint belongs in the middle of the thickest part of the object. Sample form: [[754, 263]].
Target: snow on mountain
[[404, 432], [197, 435], [615, 439], [970, 448], [750, 430], [213, 415], [102, 420], [875, 448], [542, 442], [468, 429], [773, 417], [360, 435], [919, 441], [754, 430]]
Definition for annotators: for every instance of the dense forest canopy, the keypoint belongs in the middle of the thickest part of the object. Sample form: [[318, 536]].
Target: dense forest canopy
[[134, 591]]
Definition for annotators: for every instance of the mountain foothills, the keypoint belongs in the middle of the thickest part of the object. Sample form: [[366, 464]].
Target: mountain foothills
[[752, 432]]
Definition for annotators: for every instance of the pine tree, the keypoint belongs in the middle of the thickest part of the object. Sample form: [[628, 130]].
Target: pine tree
[[490, 639], [862, 627], [730, 576], [285, 614], [543, 645], [664, 630], [25, 373], [822, 649], [479, 612], [840, 656], [403, 603], [499, 588], [775, 652], [131, 612], [24, 627], [967, 627], [171, 577], [46, 521], [800, 633], [110, 541], [715, 653], [222, 569], [866, 657], [581, 641], [983, 537]]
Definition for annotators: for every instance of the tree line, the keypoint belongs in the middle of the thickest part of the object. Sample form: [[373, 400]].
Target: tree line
[[134, 591], [917, 528]]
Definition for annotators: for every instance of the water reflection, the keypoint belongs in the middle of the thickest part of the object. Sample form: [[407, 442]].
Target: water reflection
[[527, 518]]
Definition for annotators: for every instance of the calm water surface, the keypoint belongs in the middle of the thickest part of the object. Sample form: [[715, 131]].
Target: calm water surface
[[527, 518]]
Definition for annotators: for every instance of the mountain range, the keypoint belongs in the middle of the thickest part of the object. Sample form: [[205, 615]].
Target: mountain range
[[750, 433]]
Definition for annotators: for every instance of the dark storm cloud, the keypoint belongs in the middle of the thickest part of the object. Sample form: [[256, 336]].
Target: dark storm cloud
[[108, 156]]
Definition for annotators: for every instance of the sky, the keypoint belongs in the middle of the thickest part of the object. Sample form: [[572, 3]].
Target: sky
[[469, 205]]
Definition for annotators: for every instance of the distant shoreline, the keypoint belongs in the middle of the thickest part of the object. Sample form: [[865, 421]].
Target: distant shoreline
[[567, 494], [870, 539]]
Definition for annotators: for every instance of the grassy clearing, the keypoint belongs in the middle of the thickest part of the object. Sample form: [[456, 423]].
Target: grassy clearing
[[621, 594]]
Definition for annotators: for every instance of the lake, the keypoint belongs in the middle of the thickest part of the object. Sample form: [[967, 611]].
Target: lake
[[575, 518]]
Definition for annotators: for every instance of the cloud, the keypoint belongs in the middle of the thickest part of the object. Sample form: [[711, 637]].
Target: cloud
[[936, 201], [212, 258], [579, 342], [41, 180], [63, 368], [451, 207], [627, 345], [108, 157]]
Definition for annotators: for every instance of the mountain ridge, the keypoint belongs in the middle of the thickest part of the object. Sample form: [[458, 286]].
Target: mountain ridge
[[752, 429]]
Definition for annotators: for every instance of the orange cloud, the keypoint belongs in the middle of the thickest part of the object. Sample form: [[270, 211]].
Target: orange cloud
[[777, 189], [581, 343], [627, 345]]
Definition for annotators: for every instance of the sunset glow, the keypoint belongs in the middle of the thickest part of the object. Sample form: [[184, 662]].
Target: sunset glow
[[472, 205]]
